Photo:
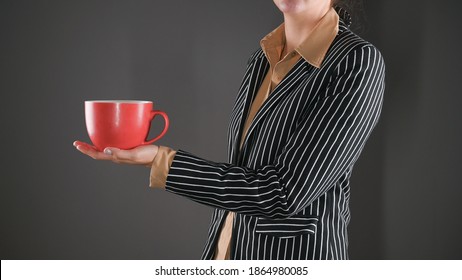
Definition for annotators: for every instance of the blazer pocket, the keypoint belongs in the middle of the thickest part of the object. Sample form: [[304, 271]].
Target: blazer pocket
[[287, 228]]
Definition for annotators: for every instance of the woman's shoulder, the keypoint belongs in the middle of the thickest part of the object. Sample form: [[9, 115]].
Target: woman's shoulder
[[347, 44]]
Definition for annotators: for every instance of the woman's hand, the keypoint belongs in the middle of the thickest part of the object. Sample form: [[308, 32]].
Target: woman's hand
[[142, 155]]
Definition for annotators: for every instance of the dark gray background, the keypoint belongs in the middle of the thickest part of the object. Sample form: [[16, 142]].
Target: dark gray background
[[189, 57]]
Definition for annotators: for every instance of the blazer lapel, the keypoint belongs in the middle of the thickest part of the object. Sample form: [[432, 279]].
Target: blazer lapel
[[259, 68], [295, 75]]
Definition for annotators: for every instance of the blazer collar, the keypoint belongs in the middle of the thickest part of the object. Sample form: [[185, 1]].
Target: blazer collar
[[345, 17]]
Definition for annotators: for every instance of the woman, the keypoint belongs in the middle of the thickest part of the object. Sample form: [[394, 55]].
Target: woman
[[309, 99]]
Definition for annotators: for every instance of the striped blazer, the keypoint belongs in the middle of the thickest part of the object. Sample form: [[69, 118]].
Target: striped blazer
[[289, 184]]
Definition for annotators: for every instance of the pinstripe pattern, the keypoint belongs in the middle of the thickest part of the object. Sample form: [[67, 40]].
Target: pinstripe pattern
[[289, 184]]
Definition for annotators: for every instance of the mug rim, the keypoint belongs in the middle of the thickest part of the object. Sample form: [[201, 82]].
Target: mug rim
[[118, 101]]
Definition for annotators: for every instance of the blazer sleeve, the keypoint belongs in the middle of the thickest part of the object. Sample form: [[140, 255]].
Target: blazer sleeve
[[326, 142]]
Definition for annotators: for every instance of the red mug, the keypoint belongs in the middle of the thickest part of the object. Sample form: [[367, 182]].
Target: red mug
[[122, 124]]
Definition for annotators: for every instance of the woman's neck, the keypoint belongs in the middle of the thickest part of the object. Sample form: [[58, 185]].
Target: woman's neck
[[298, 26]]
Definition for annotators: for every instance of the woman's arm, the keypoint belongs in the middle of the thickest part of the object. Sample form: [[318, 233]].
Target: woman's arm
[[324, 145]]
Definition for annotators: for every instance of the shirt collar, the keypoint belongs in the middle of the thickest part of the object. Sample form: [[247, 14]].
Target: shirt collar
[[314, 48]]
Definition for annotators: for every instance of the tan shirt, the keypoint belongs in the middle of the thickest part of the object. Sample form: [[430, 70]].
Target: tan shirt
[[313, 50]]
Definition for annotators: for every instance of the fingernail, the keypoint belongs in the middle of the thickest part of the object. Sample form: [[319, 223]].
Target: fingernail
[[107, 151]]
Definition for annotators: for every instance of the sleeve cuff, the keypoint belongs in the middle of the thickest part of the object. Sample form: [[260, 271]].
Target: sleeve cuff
[[160, 167]]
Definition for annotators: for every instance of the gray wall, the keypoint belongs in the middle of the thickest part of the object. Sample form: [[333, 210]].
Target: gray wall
[[189, 57]]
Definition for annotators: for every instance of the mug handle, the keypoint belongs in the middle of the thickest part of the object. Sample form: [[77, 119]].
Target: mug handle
[[164, 115]]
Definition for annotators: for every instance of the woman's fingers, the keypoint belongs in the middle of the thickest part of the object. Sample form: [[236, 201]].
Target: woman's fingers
[[139, 155], [90, 151], [82, 144]]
